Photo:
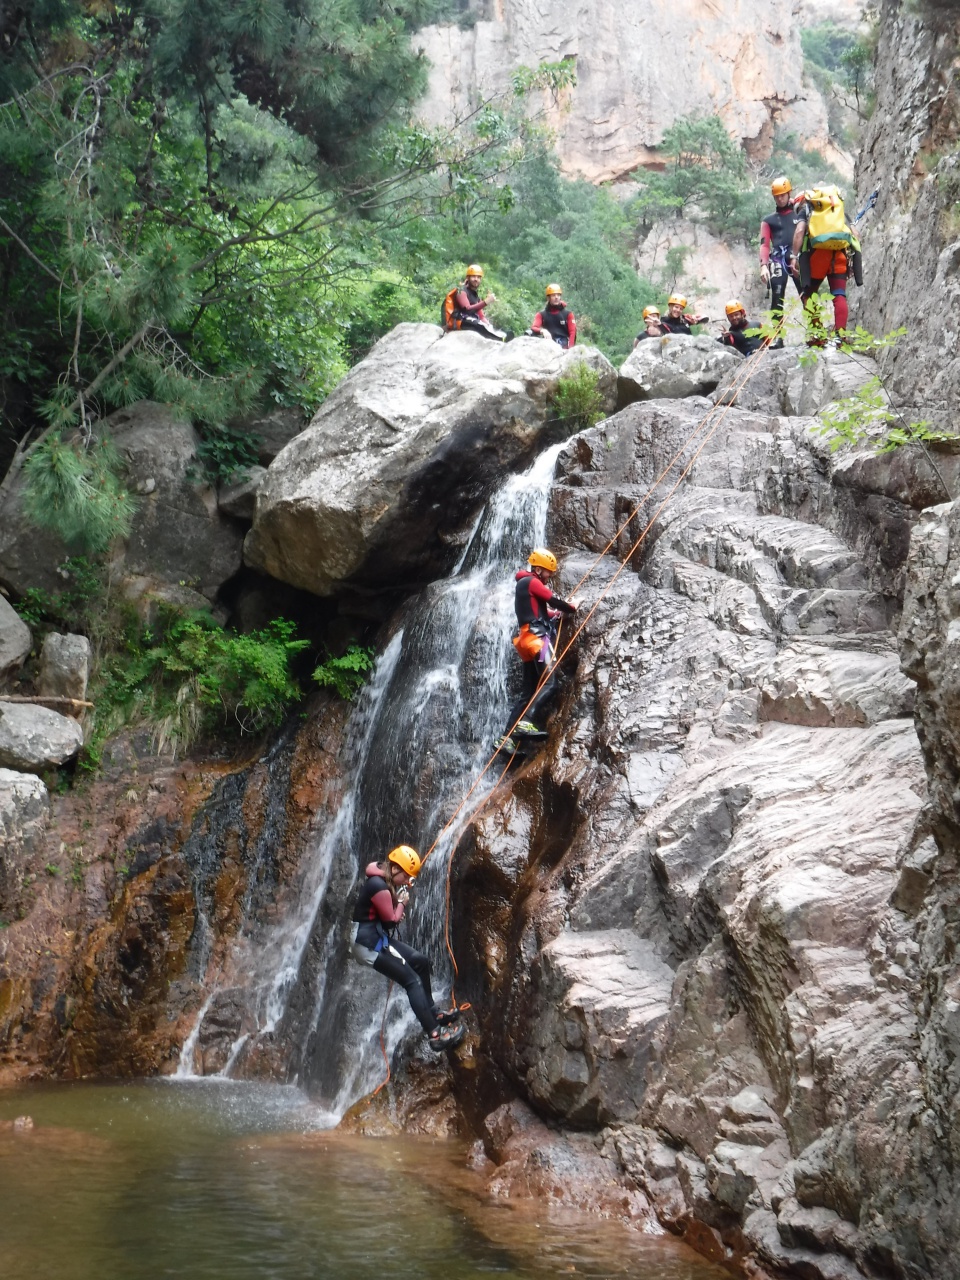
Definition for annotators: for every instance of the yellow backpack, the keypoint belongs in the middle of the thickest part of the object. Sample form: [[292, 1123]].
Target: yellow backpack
[[827, 226]]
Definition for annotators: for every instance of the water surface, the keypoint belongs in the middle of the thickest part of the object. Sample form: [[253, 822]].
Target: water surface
[[222, 1181]]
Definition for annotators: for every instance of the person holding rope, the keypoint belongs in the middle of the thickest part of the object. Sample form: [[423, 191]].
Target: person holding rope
[[379, 908], [537, 612]]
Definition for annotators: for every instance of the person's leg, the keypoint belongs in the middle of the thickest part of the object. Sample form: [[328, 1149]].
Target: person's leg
[[841, 312], [420, 965], [546, 694], [778, 287], [528, 687], [394, 967]]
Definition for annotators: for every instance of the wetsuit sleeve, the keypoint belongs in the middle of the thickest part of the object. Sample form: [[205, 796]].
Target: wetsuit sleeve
[[537, 325], [766, 239], [383, 905], [465, 305], [800, 230], [571, 329]]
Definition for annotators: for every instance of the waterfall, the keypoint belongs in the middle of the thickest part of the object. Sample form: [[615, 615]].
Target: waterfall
[[422, 731]]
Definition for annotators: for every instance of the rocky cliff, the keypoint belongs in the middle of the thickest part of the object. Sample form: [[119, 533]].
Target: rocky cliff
[[911, 157], [639, 68]]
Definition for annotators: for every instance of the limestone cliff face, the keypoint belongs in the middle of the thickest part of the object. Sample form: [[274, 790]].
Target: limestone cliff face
[[912, 238], [639, 68]]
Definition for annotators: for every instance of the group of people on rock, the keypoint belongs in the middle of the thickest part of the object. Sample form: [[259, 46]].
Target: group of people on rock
[[805, 238]]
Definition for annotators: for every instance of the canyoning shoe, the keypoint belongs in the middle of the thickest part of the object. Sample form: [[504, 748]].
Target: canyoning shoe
[[506, 744], [445, 1038], [525, 728], [447, 1017]]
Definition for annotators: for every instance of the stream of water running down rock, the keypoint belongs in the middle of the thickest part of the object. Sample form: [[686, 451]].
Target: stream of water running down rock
[[421, 733]]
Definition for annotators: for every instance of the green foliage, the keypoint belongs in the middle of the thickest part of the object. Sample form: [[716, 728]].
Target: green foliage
[[346, 674], [577, 401], [227, 455], [866, 417], [73, 607], [841, 63], [826, 45], [187, 676], [704, 170], [77, 492]]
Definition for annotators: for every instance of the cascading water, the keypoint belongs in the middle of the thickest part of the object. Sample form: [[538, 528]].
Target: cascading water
[[422, 732]]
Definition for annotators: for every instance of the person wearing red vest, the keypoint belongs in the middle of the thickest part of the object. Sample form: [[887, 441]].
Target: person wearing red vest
[[556, 320]]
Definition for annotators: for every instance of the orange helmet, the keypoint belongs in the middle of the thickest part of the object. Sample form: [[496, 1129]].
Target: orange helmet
[[541, 558], [676, 300], [650, 312], [554, 291], [474, 270], [781, 186], [406, 858], [733, 306]]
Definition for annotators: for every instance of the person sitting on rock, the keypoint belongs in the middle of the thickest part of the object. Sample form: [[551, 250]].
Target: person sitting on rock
[[652, 325], [537, 611], [737, 336], [377, 912], [469, 306], [556, 320], [676, 321]]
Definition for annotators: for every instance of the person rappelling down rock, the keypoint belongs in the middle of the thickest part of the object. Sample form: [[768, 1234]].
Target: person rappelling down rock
[[538, 612], [379, 908]]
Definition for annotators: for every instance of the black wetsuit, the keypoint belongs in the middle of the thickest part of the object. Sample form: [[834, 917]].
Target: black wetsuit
[[778, 236], [376, 920], [471, 316], [559, 324], [738, 338]]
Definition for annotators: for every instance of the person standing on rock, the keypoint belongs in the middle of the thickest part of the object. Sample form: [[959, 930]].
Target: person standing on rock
[[778, 259], [737, 336], [378, 911], [556, 320], [676, 321], [537, 612], [826, 249], [652, 325], [467, 307]]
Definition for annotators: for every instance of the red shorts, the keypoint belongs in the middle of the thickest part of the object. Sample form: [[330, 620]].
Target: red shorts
[[827, 262]]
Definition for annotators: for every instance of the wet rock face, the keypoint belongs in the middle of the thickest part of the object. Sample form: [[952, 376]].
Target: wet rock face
[[385, 482], [138, 886], [15, 637], [715, 954]]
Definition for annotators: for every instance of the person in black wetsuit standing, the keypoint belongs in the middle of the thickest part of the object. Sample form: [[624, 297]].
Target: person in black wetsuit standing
[[778, 262], [377, 912], [556, 320], [537, 608]]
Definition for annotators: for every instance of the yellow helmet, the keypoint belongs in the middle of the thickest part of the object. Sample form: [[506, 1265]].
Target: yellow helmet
[[677, 299], [651, 311], [554, 291], [540, 558], [781, 186], [406, 858], [474, 270], [733, 306]]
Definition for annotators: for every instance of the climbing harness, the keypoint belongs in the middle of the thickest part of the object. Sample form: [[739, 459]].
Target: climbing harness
[[751, 364]]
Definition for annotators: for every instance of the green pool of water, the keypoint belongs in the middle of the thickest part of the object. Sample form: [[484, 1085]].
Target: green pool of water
[[235, 1182]]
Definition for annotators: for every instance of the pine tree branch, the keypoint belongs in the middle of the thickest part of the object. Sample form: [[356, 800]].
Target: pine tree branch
[[29, 252]]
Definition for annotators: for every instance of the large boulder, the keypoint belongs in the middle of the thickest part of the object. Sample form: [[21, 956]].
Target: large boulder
[[389, 476], [15, 637], [675, 366], [64, 666], [178, 534], [33, 738], [24, 808], [781, 383]]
